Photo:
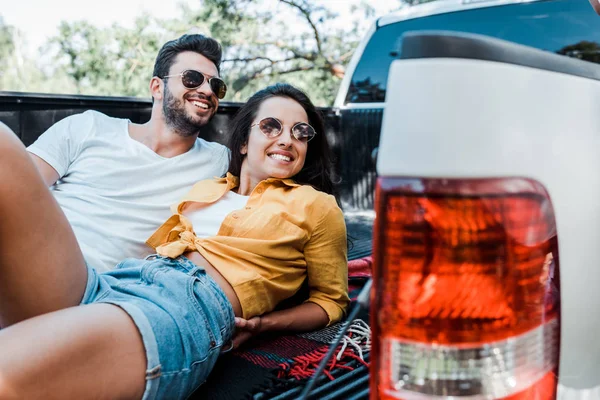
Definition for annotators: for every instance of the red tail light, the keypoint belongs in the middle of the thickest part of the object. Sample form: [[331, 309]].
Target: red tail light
[[465, 299]]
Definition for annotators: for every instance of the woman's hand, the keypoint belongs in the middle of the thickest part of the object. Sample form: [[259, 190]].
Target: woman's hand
[[245, 329], [302, 318]]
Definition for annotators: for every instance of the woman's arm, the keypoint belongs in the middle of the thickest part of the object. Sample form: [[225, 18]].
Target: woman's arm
[[327, 270], [327, 262], [304, 317]]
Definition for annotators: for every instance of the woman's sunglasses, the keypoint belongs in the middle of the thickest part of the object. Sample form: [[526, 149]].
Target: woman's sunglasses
[[272, 127], [193, 79]]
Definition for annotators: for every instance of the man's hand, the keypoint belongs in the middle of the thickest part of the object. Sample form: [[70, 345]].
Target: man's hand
[[245, 329]]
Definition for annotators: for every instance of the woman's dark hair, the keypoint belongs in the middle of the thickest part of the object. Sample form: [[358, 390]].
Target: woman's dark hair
[[197, 43], [318, 166]]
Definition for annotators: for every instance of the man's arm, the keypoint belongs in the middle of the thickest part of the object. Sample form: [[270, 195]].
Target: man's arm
[[48, 173], [59, 146]]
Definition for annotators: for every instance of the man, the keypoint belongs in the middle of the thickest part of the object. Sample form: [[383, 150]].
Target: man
[[116, 180]]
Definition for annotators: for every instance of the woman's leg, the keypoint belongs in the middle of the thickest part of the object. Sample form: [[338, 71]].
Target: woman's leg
[[41, 266], [92, 351]]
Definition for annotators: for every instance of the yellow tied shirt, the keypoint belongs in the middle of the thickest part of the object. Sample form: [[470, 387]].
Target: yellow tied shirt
[[286, 233]]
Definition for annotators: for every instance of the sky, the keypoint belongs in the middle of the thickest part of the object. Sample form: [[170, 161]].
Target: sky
[[38, 19]]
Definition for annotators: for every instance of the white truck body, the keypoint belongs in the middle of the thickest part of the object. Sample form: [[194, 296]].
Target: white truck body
[[470, 118]]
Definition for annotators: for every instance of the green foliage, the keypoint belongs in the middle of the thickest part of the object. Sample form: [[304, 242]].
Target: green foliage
[[292, 41], [18, 71], [267, 41], [108, 61], [7, 46]]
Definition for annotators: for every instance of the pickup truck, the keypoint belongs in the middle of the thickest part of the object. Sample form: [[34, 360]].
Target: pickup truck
[[483, 178], [568, 27], [485, 281]]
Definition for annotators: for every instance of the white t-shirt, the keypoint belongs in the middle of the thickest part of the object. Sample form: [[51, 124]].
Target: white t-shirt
[[208, 219], [114, 190]]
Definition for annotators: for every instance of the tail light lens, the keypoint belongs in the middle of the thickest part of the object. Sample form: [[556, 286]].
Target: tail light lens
[[466, 292]]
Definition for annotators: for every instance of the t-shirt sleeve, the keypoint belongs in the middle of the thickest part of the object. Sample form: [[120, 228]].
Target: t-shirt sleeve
[[61, 143], [225, 157], [327, 263]]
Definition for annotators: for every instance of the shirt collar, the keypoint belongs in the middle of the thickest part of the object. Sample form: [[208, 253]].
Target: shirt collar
[[233, 181], [287, 182]]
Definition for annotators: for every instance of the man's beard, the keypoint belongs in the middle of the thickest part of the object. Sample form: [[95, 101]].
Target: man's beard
[[177, 118]]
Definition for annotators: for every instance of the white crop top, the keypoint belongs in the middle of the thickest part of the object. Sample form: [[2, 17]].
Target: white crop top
[[207, 220]]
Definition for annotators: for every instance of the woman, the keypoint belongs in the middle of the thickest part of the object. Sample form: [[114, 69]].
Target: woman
[[155, 327]]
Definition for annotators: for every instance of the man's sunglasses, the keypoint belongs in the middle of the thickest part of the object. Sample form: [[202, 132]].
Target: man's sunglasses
[[193, 79], [272, 127]]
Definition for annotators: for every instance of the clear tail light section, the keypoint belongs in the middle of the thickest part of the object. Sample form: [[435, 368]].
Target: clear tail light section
[[465, 300]]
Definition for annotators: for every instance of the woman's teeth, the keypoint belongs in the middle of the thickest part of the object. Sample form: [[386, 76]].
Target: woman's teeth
[[280, 157]]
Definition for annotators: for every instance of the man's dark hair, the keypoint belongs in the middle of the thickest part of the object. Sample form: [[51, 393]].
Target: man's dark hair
[[318, 166], [197, 43]]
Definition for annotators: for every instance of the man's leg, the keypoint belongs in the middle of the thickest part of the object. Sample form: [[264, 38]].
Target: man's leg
[[41, 266], [93, 351]]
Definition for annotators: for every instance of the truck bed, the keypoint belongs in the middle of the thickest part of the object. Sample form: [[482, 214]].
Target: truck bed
[[359, 225]]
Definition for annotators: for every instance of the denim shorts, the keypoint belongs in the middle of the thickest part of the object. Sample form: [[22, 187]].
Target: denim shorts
[[183, 316]]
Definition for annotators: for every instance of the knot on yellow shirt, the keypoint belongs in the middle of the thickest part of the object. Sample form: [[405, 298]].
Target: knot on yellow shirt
[[186, 242]]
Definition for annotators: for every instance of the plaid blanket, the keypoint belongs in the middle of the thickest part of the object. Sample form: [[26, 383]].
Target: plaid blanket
[[276, 362]]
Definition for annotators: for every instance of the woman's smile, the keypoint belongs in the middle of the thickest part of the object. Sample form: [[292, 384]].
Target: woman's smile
[[281, 156]]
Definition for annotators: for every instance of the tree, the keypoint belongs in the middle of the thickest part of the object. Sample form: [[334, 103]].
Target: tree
[[261, 48], [7, 46], [293, 41], [108, 61], [20, 72]]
